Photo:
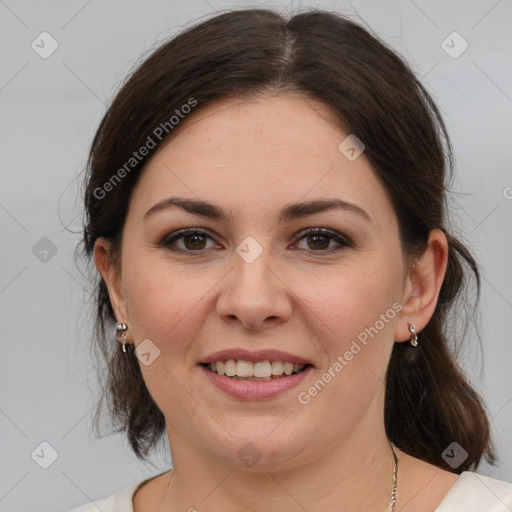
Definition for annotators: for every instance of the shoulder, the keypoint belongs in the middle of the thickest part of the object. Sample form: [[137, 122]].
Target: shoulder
[[477, 493], [119, 502]]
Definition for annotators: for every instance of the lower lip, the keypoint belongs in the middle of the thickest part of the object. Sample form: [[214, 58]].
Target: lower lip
[[256, 390]]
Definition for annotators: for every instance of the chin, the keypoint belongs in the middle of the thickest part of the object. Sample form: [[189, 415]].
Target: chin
[[262, 448]]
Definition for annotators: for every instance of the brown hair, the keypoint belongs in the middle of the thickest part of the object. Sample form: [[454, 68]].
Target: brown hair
[[372, 92]]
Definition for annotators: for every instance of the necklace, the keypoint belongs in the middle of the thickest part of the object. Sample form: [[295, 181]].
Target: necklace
[[392, 502]]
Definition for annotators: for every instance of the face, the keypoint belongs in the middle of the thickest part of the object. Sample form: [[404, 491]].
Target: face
[[323, 285]]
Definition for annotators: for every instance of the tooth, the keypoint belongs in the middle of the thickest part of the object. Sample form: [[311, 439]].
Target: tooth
[[262, 369], [277, 367], [230, 368], [244, 368], [288, 368]]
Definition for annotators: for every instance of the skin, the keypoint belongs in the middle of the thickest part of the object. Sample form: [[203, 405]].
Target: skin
[[251, 158]]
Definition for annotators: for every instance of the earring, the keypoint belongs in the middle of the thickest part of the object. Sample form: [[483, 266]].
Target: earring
[[121, 328], [414, 339]]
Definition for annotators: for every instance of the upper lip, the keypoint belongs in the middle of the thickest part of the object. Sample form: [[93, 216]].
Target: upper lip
[[240, 354]]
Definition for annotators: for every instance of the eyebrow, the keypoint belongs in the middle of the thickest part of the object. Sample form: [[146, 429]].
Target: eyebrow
[[288, 213]]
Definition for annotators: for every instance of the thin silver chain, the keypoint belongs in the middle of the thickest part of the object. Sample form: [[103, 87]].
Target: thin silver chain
[[392, 502]]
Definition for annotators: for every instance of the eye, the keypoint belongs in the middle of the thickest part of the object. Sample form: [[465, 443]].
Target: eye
[[194, 240], [320, 239]]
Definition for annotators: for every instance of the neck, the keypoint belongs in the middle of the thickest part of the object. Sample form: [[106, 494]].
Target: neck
[[357, 474]]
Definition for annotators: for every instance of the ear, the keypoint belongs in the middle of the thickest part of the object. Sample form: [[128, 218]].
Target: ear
[[111, 273], [422, 286]]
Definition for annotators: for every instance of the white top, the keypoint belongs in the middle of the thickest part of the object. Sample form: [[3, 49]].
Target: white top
[[470, 493]]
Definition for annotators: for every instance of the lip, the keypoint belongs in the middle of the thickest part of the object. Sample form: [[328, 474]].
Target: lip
[[246, 390], [239, 354]]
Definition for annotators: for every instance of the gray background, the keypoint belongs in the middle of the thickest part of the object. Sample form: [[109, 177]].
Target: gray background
[[50, 110]]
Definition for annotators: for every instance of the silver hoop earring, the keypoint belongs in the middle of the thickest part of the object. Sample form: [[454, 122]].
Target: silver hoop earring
[[414, 339], [121, 328]]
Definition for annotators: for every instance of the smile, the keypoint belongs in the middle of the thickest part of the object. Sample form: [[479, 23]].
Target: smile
[[261, 371], [288, 376]]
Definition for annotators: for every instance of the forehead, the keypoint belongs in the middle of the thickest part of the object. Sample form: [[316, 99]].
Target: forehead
[[246, 153], [277, 120]]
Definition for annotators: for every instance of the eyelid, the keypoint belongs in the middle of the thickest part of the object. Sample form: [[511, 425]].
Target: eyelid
[[325, 231], [180, 233]]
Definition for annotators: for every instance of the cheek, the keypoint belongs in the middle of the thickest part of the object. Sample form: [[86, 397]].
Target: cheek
[[353, 314], [352, 317], [163, 302], [346, 302], [166, 306]]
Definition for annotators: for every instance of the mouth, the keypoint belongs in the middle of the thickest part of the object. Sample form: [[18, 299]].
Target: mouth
[[260, 371], [255, 375]]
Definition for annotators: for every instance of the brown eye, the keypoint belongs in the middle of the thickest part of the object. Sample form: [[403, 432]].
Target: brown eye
[[319, 240], [193, 240]]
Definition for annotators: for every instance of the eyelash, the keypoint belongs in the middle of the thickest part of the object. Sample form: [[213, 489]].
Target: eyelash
[[332, 235]]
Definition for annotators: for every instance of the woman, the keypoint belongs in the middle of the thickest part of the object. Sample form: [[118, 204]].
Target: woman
[[266, 208]]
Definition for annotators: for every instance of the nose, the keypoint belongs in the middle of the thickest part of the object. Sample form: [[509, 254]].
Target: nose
[[254, 295]]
